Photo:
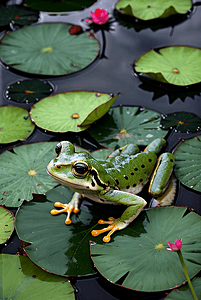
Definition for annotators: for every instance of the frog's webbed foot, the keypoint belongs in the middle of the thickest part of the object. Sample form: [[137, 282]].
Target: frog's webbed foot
[[68, 208], [114, 225]]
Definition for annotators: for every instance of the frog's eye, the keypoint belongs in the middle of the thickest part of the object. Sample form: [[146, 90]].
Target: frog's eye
[[80, 169], [58, 149]]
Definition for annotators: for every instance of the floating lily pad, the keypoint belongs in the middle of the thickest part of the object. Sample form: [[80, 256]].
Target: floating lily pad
[[23, 172], [148, 10], [59, 53], [56, 247], [6, 224], [188, 163], [123, 125], [21, 279], [178, 65], [18, 15], [70, 111], [184, 293], [138, 255], [28, 90], [182, 121], [15, 124], [58, 5]]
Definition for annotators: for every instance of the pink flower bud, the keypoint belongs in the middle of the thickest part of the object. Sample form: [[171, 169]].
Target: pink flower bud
[[99, 16], [176, 246]]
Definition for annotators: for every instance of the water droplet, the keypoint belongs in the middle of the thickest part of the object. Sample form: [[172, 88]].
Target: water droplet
[[18, 82], [8, 86], [75, 116], [98, 95]]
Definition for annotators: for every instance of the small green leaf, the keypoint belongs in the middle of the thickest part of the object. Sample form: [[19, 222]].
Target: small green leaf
[[70, 111], [23, 172], [178, 65], [6, 224], [59, 53], [21, 280], [123, 125], [138, 255], [148, 10], [188, 163], [15, 124], [28, 90], [184, 293]]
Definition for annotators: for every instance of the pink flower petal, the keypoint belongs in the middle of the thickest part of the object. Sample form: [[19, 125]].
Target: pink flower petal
[[100, 16]]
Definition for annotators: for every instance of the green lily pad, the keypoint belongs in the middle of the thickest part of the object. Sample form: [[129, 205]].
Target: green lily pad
[[28, 90], [23, 172], [123, 125], [58, 5], [15, 124], [56, 247], [138, 255], [59, 53], [188, 163], [182, 121], [178, 65], [6, 224], [70, 111], [184, 293], [18, 15], [148, 10], [21, 280]]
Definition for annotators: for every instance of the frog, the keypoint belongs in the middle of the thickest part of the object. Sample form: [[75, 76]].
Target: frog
[[116, 180]]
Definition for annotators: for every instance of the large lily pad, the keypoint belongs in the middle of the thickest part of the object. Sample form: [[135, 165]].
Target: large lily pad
[[28, 90], [148, 10], [70, 111], [184, 293], [138, 255], [123, 125], [15, 124], [6, 224], [56, 247], [58, 53], [21, 280], [178, 65], [188, 163], [23, 172]]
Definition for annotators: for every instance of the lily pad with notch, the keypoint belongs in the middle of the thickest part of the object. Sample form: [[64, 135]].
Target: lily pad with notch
[[188, 163], [177, 65], [59, 53], [6, 224], [138, 256], [28, 90], [71, 111], [23, 172], [123, 125], [21, 279], [15, 124], [148, 10]]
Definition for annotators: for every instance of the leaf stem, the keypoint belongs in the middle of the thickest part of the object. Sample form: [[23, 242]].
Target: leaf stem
[[186, 274]]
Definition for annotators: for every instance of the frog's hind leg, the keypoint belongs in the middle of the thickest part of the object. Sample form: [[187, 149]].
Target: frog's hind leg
[[68, 208]]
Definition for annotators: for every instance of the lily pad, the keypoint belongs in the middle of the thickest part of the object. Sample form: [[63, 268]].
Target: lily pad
[[23, 172], [15, 124], [181, 121], [184, 293], [70, 111], [18, 15], [178, 65], [6, 224], [56, 247], [58, 5], [28, 90], [59, 53], [123, 125], [148, 10], [22, 280], [188, 163], [138, 255]]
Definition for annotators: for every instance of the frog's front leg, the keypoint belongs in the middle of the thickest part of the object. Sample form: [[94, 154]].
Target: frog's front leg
[[68, 208], [135, 206]]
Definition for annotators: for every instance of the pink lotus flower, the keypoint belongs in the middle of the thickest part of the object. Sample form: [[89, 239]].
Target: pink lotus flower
[[100, 16], [176, 246]]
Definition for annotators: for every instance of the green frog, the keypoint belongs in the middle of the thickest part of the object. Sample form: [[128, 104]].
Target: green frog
[[115, 180]]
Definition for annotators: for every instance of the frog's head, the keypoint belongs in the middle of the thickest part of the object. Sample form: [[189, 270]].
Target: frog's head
[[78, 170]]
